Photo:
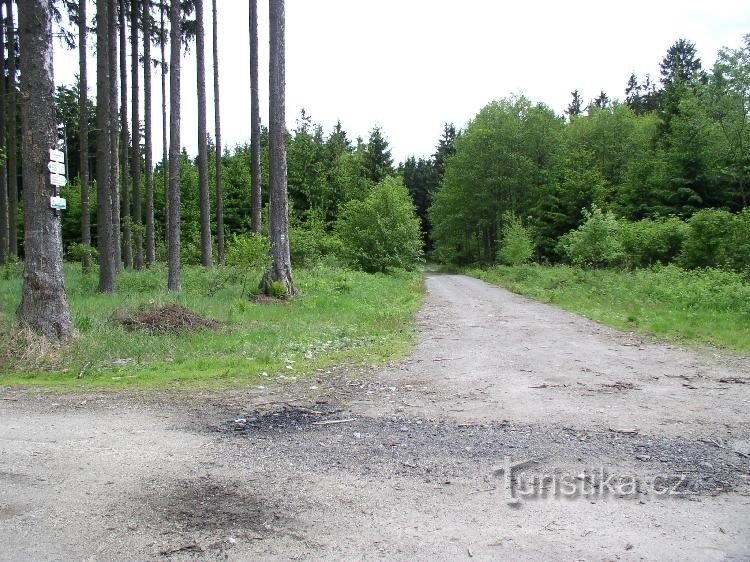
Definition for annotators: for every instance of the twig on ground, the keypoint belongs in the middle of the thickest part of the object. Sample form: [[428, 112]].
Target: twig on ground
[[331, 422]]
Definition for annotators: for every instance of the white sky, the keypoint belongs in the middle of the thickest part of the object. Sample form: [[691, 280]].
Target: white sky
[[411, 65]]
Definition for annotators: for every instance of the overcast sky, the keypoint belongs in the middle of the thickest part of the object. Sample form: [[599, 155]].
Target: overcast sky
[[408, 66]]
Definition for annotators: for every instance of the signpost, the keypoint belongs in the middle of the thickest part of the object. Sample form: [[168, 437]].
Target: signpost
[[57, 156], [58, 203], [56, 167], [57, 180]]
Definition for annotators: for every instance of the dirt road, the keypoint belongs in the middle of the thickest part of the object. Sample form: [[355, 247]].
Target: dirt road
[[631, 451]]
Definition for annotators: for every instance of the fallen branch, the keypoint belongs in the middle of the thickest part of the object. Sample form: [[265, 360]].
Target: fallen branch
[[625, 431], [187, 548], [481, 491], [331, 422], [720, 446]]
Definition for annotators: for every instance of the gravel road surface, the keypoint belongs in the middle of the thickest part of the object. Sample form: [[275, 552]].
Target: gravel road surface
[[514, 431]]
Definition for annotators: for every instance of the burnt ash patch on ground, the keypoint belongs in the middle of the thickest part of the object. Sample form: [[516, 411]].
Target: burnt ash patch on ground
[[328, 438], [208, 503]]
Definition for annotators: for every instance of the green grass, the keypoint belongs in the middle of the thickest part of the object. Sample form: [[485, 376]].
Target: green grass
[[339, 316], [700, 307]]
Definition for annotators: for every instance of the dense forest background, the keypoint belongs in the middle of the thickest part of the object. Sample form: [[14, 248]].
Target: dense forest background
[[667, 150]]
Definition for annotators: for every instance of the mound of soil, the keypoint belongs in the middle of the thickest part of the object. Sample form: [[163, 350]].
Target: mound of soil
[[168, 318]]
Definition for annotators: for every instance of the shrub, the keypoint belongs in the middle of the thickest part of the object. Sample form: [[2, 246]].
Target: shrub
[[248, 255], [190, 248], [595, 243], [517, 245], [13, 268], [82, 253], [382, 231], [278, 290], [648, 242], [304, 246], [741, 244], [717, 238], [310, 242]]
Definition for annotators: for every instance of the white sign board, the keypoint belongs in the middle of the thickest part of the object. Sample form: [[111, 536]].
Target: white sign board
[[56, 168], [58, 203], [58, 180], [57, 155]]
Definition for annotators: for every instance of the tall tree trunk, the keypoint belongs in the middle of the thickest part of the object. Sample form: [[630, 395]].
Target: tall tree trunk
[[83, 118], [255, 177], [281, 268], [150, 235], [12, 136], [104, 109], [205, 198], [217, 121], [125, 138], [114, 143], [44, 303], [175, 273], [3, 167], [164, 122], [135, 159]]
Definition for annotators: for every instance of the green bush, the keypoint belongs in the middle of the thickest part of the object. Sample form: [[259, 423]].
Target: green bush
[[277, 289], [741, 254], [382, 231], [304, 246], [310, 242], [190, 248], [595, 243], [248, 255], [517, 244], [648, 242], [79, 252], [717, 238]]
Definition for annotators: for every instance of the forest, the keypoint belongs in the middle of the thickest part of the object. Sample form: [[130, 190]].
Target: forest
[[654, 177], [667, 151]]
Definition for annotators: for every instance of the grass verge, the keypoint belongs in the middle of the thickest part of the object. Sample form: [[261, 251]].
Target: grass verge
[[698, 307], [340, 316]]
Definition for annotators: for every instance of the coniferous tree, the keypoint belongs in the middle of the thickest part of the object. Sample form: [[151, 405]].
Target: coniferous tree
[[681, 71], [3, 167], [601, 101], [377, 155], [106, 118], [44, 303], [175, 271], [165, 143], [633, 94], [217, 122], [681, 64], [83, 124], [148, 133], [12, 137], [278, 227], [205, 198], [124, 217], [575, 107], [650, 96], [135, 155], [115, 146], [445, 149], [255, 145]]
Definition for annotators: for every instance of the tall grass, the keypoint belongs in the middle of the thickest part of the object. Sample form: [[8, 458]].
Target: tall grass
[[339, 316]]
